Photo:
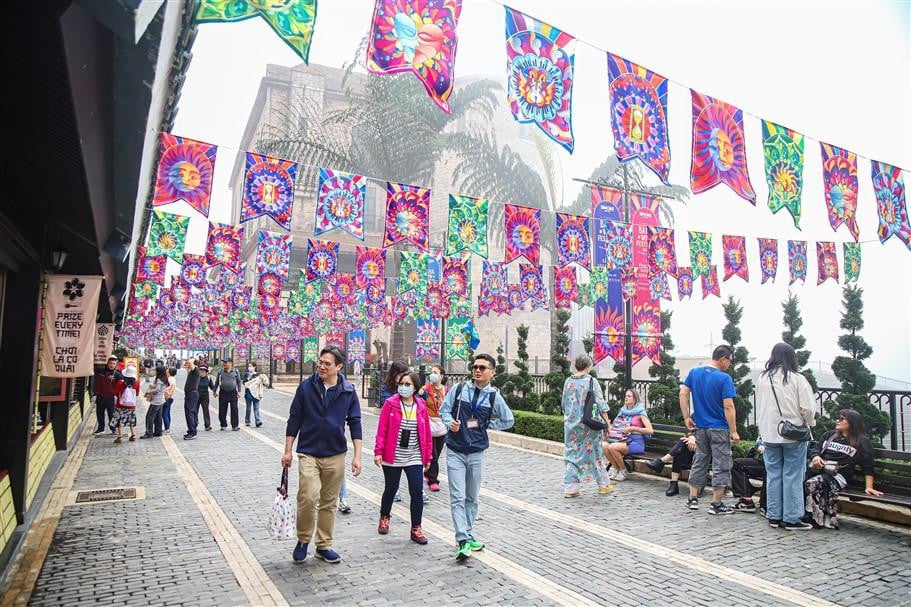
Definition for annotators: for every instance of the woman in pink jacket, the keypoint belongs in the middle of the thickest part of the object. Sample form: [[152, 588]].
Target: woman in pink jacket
[[403, 442]]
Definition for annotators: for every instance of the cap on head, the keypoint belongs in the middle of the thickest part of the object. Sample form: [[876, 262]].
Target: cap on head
[[203, 367], [114, 358], [227, 359]]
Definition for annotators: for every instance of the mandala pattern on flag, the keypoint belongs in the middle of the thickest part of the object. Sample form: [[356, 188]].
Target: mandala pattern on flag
[[269, 283], [531, 281], [185, 172], [340, 203], [292, 20], [826, 262], [370, 271], [494, 286], [193, 270], [629, 284], [735, 257], [710, 285], [413, 273], [273, 254], [658, 287], [240, 298], [150, 267], [241, 350], [344, 289], [638, 99], [437, 301], [598, 283], [539, 73], [700, 253], [357, 347], [566, 288], [719, 150], [839, 174], [523, 233], [585, 295], [783, 152], [268, 189], [662, 253], [407, 215], [619, 248], [167, 234], [224, 245], [467, 229], [292, 351], [609, 333], [646, 334], [852, 261], [278, 351], [797, 260], [573, 241], [684, 282], [456, 342], [515, 297], [322, 259], [145, 289], [891, 205], [768, 259], [427, 340], [311, 349], [455, 276]]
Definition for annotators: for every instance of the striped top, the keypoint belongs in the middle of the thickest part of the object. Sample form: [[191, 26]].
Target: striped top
[[410, 455]]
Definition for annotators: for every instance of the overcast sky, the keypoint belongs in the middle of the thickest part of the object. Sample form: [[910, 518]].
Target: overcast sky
[[837, 72]]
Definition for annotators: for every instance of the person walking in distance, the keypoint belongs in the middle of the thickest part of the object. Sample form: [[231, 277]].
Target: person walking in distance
[[227, 384], [323, 404], [469, 410], [155, 396], [190, 397], [254, 386], [205, 384], [169, 399], [125, 409], [106, 380], [714, 422]]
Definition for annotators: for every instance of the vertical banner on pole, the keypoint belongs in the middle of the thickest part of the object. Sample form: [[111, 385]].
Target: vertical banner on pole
[[607, 207], [104, 342], [70, 308], [646, 320]]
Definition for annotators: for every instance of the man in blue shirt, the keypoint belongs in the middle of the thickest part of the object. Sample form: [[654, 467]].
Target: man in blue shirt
[[468, 410], [714, 422]]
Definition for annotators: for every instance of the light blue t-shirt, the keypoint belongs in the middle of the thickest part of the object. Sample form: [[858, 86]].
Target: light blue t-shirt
[[710, 386]]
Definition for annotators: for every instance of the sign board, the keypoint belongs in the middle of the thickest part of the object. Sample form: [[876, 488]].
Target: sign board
[[104, 342], [70, 308]]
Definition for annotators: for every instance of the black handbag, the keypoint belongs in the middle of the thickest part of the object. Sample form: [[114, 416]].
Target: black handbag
[[588, 417], [788, 429]]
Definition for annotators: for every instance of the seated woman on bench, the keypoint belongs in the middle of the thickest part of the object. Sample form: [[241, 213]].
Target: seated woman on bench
[[832, 464], [627, 434], [681, 454]]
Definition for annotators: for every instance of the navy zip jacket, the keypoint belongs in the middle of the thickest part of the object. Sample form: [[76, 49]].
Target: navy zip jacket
[[318, 416]]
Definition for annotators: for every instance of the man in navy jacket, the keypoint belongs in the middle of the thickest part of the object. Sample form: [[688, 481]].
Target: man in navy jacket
[[322, 405]]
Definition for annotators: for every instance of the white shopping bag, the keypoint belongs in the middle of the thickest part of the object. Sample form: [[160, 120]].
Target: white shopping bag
[[283, 517]]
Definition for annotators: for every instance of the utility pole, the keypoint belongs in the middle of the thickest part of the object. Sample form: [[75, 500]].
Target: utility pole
[[628, 304]]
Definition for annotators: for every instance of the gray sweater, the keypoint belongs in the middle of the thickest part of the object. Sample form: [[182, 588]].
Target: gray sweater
[[229, 381]]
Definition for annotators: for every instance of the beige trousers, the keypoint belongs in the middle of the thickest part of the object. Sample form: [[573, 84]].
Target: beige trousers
[[319, 481]]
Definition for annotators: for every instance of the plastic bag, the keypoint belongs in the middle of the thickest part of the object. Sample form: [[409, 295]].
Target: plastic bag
[[283, 517]]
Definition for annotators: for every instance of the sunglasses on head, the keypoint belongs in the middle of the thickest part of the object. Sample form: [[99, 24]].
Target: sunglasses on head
[[479, 367]]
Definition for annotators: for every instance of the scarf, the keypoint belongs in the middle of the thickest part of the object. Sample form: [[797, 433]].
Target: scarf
[[639, 409]]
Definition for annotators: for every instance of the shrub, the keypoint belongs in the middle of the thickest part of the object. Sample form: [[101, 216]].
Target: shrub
[[538, 425]]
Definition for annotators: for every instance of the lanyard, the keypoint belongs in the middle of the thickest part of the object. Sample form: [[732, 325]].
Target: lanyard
[[409, 412], [474, 401]]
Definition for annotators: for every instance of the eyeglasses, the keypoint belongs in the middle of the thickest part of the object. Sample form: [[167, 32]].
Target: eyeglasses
[[324, 363], [481, 368], [840, 418]]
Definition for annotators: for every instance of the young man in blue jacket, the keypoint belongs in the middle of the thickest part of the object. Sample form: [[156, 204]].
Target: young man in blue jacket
[[469, 409], [322, 405]]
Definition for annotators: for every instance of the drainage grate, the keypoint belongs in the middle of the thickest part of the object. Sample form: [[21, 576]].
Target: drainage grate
[[106, 495]]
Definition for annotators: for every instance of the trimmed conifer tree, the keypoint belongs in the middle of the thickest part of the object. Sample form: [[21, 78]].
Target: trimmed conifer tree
[[520, 386], [664, 395], [559, 364], [502, 375], [791, 335], [740, 368]]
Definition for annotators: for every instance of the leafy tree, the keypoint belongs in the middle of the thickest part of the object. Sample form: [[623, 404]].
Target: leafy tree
[[519, 387], [502, 376], [616, 390], [559, 364], [664, 394], [792, 323], [856, 380], [588, 344], [739, 369]]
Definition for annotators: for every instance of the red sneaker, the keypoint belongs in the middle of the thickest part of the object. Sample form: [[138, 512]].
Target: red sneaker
[[434, 486], [417, 535], [384, 525]]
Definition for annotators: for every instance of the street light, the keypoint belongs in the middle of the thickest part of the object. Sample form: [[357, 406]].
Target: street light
[[58, 258]]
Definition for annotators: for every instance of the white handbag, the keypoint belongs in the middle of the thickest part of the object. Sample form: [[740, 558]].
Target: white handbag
[[437, 427], [283, 517]]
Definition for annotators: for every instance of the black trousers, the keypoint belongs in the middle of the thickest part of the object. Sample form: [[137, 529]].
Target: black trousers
[[228, 399], [104, 404], [433, 472], [683, 457], [204, 405], [190, 402], [742, 471], [154, 420], [415, 477]]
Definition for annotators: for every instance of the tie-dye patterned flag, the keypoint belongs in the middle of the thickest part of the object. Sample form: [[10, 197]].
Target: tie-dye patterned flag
[[852, 261], [167, 235], [268, 189], [719, 148], [658, 287], [826, 262], [609, 333], [599, 283], [768, 258], [407, 215], [427, 340], [150, 267], [531, 282], [340, 203], [797, 261], [494, 287], [322, 259], [700, 253], [735, 257], [839, 174], [185, 172], [684, 282], [292, 20], [523, 233], [456, 276], [891, 205], [662, 252], [539, 75], [573, 241], [293, 350], [357, 347], [566, 287], [646, 333], [619, 248], [783, 152], [370, 272], [413, 273], [224, 245], [456, 342], [311, 349], [273, 255], [193, 270], [467, 225], [710, 284], [638, 99], [417, 36]]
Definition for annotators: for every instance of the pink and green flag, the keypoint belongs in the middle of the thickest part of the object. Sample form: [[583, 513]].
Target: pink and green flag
[[783, 152], [167, 235], [891, 205], [292, 20], [839, 174]]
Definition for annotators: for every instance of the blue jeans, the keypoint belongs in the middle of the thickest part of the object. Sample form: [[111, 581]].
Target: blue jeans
[[785, 465], [254, 404], [465, 471], [166, 413], [343, 492]]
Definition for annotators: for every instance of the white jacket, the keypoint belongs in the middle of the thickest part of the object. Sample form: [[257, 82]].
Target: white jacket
[[797, 401], [257, 385]]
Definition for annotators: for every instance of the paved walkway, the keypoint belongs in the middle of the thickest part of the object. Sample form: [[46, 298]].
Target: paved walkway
[[198, 537]]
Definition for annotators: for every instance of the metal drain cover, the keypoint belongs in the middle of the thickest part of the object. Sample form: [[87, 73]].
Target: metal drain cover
[[106, 495]]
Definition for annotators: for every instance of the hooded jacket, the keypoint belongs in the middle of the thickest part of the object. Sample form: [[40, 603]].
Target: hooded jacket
[[318, 417]]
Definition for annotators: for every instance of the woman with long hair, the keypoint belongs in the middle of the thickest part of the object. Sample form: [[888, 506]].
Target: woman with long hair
[[840, 450], [390, 384], [784, 395], [627, 433]]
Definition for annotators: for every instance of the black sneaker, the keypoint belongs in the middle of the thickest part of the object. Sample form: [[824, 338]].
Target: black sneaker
[[774, 523], [720, 508], [259, 424], [98, 432], [655, 465], [146, 436], [235, 429], [745, 506], [692, 503], [189, 436], [797, 526], [672, 489], [208, 428], [223, 428]]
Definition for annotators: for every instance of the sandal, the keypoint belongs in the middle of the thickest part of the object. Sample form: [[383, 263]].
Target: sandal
[[132, 437], [119, 439]]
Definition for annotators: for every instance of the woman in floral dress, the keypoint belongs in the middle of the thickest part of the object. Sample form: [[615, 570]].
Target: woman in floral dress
[[582, 451]]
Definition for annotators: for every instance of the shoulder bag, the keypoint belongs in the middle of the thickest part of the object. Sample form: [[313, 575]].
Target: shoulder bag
[[787, 429], [588, 416]]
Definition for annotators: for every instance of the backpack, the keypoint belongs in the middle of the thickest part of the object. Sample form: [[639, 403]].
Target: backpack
[[490, 396], [128, 397]]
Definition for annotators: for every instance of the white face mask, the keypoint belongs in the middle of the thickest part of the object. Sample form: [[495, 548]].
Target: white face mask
[[406, 391], [434, 378], [251, 369]]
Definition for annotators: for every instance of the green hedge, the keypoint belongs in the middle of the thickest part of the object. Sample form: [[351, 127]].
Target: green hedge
[[538, 425]]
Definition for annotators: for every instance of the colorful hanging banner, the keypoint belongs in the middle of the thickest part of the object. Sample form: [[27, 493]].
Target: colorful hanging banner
[[797, 260], [456, 342], [891, 205], [684, 282], [839, 174], [150, 267], [224, 245], [735, 257], [826, 262], [494, 286], [662, 252], [417, 36], [427, 341], [638, 99], [167, 235], [523, 233], [768, 258], [573, 242], [643, 213], [310, 351], [609, 332], [539, 74], [719, 149], [278, 351], [340, 203], [292, 20], [852, 261], [413, 273], [710, 285], [646, 333], [370, 272], [783, 152], [531, 282], [273, 254], [193, 270], [293, 350], [322, 259], [700, 253], [566, 288], [467, 225], [407, 215], [268, 189], [357, 347], [185, 172], [455, 277], [598, 283]]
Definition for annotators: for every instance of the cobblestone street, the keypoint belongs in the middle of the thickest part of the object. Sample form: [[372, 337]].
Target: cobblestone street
[[198, 537]]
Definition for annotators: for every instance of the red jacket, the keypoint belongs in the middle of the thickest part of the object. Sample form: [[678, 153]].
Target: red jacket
[[387, 433]]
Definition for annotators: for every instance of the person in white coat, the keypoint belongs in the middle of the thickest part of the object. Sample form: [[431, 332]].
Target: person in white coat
[[255, 385]]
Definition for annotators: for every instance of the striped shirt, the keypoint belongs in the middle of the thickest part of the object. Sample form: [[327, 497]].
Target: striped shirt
[[410, 455]]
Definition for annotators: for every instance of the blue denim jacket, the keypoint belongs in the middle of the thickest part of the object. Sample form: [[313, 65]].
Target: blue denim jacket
[[472, 440]]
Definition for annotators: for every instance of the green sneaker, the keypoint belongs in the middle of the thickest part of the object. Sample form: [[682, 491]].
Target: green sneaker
[[463, 551], [475, 545]]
